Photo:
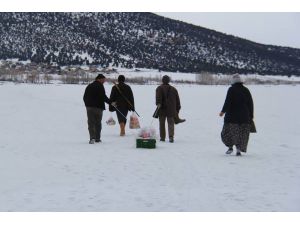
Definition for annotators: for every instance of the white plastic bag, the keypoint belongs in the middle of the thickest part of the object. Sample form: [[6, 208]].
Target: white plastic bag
[[110, 121], [134, 121], [147, 133]]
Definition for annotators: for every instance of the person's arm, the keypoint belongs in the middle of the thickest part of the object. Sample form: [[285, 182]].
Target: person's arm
[[85, 96], [112, 98], [251, 106], [106, 99], [131, 98], [158, 95], [113, 94], [178, 105], [227, 103]]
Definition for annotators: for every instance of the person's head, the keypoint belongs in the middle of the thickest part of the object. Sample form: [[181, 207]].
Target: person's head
[[165, 79], [100, 78], [236, 79], [121, 78]]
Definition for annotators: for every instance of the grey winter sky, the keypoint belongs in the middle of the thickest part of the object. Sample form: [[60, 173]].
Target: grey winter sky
[[263, 27]]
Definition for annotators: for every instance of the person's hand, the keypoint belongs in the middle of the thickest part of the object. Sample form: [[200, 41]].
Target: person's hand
[[221, 114], [158, 105], [114, 104]]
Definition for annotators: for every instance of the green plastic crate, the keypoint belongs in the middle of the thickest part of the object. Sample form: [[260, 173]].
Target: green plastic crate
[[145, 143]]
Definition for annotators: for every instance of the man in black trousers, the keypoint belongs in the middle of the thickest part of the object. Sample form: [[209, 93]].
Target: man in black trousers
[[94, 98]]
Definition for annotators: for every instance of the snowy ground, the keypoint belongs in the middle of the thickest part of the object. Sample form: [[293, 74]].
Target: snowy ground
[[47, 165]]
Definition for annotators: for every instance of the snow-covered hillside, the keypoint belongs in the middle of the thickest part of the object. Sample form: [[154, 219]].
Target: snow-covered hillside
[[46, 163], [136, 40]]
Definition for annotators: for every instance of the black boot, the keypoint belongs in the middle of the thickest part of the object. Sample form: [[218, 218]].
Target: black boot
[[177, 120], [238, 154]]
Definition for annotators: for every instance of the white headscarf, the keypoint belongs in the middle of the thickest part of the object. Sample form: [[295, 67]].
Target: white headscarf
[[236, 79]]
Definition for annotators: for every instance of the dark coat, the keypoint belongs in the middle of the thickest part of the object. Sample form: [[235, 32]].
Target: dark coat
[[238, 106], [116, 96], [94, 96], [167, 96]]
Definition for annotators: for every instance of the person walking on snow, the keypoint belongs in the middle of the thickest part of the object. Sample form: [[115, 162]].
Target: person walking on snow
[[238, 110], [168, 103], [122, 97], [94, 99]]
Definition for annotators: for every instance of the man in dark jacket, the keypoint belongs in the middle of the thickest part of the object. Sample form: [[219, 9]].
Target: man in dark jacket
[[94, 98], [122, 96], [167, 99]]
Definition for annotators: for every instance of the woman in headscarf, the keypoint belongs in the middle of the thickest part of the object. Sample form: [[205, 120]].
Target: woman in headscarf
[[238, 110]]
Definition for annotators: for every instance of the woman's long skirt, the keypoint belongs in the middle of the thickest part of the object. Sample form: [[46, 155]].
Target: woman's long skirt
[[236, 134]]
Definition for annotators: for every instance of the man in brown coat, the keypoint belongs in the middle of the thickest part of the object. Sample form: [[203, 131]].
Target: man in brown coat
[[168, 102]]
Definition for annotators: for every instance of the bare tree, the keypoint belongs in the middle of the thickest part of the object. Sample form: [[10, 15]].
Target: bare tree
[[47, 78], [33, 77]]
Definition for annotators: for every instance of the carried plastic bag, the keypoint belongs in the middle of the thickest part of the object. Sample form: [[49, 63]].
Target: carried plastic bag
[[134, 121], [111, 121], [147, 133]]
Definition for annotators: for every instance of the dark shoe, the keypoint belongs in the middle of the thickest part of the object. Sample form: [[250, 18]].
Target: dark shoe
[[162, 140], [98, 140], [92, 141], [238, 154], [229, 151], [171, 140], [177, 121]]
